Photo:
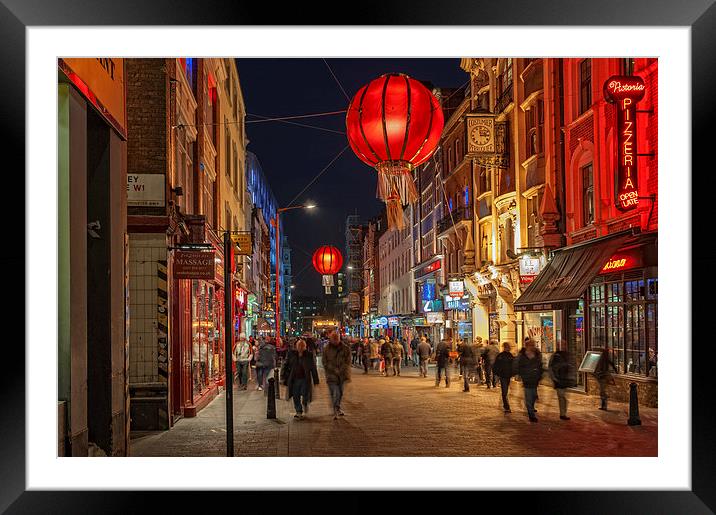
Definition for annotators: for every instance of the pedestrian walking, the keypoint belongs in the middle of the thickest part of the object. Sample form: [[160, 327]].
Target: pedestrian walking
[[424, 351], [406, 350], [386, 353], [604, 376], [479, 351], [460, 347], [299, 374], [563, 376], [529, 368], [467, 364], [442, 358], [374, 354], [265, 362], [414, 350], [242, 358], [503, 368], [354, 350], [337, 367], [398, 355], [364, 351], [488, 357]]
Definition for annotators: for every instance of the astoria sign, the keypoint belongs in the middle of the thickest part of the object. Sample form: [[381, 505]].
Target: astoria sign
[[625, 92]]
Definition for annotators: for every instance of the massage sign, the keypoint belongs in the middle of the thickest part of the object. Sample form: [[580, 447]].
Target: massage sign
[[625, 92]]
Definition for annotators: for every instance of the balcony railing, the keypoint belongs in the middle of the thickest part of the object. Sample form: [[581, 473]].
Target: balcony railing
[[458, 215]]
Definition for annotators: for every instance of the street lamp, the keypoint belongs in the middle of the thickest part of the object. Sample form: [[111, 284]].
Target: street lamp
[[275, 223]]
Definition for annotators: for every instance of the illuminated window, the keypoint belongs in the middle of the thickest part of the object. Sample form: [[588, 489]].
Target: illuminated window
[[587, 194], [585, 85]]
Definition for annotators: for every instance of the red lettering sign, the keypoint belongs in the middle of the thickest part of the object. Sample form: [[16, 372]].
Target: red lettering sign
[[625, 92], [432, 267], [622, 261]]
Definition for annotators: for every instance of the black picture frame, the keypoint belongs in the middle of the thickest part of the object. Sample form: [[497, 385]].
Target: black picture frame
[[699, 15]]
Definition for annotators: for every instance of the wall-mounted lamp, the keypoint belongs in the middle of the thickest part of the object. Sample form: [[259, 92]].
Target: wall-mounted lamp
[[178, 191]]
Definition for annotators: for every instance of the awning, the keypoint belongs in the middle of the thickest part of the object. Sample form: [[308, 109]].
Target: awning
[[569, 273]]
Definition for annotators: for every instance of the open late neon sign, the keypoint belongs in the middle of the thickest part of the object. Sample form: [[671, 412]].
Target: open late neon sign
[[625, 92]]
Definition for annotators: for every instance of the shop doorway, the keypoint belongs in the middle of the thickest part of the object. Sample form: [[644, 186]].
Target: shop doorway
[[575, 338]]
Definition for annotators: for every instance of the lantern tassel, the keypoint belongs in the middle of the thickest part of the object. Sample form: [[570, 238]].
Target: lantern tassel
[[394, 211]]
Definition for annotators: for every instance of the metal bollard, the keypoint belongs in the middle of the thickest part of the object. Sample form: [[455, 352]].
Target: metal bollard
[[634, 419], [277, 383], [271, 406]]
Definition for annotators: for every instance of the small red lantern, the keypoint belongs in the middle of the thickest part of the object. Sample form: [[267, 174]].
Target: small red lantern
[[327, 260], [394, 124]]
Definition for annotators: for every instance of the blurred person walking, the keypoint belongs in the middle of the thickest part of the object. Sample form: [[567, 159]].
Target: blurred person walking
[[503, 368], [386, 353], [488, 357], [337, 367], [242, 356], [299, 374], [414, 350], [265, 362], [398, 355], [424, 351], [529, 368], [374, 354], [404, 344], [364, 354], [467, 364], [562, 373], [604, 376], [442, 358]]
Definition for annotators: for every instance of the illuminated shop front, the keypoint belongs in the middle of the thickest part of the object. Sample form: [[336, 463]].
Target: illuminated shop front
[[601, 294]]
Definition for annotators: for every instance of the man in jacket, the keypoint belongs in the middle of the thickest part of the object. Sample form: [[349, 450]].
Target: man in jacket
[[423, 352], [374, 353], [488, 357], [299, 374], [404, 344], [364, 353], [337, 367], [467, 364], [503, 369], [442, 358], [242, 356], [386, 352], [398, 354], [265, 363], [460, 347], [414, 350], [529, 368]]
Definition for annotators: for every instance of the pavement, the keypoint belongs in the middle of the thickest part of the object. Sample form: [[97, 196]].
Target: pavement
[[408, 416]]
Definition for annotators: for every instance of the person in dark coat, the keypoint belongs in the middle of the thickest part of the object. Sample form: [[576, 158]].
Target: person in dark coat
[[467, 364], [337, 368], [386, 352], [414, 350], [265, 362], [442, 358], [604, 376], [300, 374], [424, 352], [529, 368], [503, 369], [561, 373]]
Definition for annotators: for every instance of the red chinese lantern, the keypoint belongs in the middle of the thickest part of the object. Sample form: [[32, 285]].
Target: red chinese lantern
[[327, 260], [394, 124]]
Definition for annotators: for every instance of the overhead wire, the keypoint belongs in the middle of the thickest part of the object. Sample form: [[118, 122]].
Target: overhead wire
[[336, 79]]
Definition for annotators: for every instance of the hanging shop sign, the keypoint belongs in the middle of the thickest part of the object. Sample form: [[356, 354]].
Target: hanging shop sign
[[529, 269], [432, 267], [243, 242], [625, 92], [194, 264], [429, 306], [456, 289], [145, 189], [622, 261], [393, 321], [437, 317]]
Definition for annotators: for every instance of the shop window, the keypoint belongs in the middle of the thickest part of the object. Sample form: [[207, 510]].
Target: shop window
[[484, 175], [227, 150], [587, 194], [585, 85]]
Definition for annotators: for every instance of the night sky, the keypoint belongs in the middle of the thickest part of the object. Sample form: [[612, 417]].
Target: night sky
[[291, 156]]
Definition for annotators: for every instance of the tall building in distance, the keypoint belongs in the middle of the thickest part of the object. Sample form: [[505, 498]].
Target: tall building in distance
[[304, 311]]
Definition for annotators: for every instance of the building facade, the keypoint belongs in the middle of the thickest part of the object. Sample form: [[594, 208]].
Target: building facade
[[93, 290]]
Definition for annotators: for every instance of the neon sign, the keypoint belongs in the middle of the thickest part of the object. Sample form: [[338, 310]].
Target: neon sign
[[622, 261], [625, 92]]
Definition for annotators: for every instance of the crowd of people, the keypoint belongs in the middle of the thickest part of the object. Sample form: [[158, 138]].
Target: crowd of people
[[479, 362]]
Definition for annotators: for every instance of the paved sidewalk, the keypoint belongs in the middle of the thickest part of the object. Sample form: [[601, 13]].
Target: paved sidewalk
[[408, 416]]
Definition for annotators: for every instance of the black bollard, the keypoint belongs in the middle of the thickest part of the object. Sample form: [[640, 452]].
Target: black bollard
[[277, 383], [634, 419], [271, 406]]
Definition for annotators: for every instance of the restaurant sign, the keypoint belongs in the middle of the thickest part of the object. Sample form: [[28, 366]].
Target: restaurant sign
[[529, 269], [625, 92], [194, 264]]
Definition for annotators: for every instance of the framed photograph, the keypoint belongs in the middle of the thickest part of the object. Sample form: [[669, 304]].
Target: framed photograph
[[177, 96]]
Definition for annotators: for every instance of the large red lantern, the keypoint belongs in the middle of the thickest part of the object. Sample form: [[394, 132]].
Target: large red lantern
[[327, 260], [394, 124]]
